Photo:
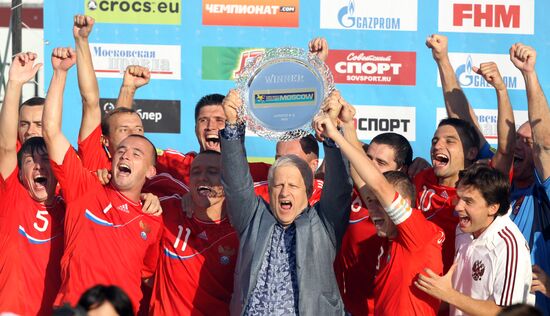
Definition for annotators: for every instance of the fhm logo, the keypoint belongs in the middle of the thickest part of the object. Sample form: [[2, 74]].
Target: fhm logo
[[469, 79], [346, 15]]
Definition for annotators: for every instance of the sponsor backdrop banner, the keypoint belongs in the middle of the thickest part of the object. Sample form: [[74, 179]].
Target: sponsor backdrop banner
[[378, 56]]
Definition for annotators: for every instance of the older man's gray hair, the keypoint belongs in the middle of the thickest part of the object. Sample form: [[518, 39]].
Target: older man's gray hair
[[300, 164]]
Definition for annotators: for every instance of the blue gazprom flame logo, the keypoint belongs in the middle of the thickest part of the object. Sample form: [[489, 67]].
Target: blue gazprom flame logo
[[346, 15], [465, 74]]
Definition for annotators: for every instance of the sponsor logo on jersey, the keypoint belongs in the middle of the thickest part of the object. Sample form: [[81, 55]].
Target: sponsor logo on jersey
[[392, 15], [487, 16], [273, 13]]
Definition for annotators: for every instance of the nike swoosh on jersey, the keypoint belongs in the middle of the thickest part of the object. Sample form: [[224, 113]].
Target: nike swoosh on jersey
[[355, 221], [34, 240]]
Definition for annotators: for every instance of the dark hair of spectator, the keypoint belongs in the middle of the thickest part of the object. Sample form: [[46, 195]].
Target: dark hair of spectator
[[491, 183], [210, 99], [33, 146], [520, 310], [105, 121], [34, 101], [402, 184], [401, 146], [99, 294], [309, 145]]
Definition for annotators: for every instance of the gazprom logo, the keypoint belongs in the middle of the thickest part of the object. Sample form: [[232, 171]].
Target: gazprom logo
[[346, 15], [469, 79]]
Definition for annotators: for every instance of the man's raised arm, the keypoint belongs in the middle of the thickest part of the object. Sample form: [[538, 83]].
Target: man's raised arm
[[23, 69], [87, 81], [456, 103], [237, 182], [506, 127], [524, 58], [134, 78], [62, 60]]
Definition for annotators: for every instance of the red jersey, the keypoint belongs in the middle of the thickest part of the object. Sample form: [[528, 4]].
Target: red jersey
[[31, 245], [108, 239], [94, 157], [355, 263], [416, 247], [196, 266], [437, 203]]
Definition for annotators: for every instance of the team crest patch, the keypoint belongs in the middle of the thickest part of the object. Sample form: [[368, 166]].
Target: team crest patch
[[225, 253], [145, 229], [477, 270]]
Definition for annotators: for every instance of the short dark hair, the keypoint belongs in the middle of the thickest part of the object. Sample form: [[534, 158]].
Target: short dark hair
[[34, 101], [493, 185], [105, 120], [309, 145], [401, 146], [32, 146], [520, 310], [467, 132], [402, 184], [209, 99], [99, 294], [155, 155]]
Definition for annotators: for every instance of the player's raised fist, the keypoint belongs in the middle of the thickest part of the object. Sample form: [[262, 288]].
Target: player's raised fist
[[319, 47], [63, 58], [23, 67], [136, 76], [523, 57], [82, 26], [439, 46], [490, 73]]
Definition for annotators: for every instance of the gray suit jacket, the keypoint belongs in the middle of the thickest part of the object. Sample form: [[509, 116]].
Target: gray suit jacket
[[319, 232]]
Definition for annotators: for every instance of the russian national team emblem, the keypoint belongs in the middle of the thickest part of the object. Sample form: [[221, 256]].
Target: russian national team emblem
[[478, 269]]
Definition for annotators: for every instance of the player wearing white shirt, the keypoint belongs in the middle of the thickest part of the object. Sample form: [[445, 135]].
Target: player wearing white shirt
[[492, 266]]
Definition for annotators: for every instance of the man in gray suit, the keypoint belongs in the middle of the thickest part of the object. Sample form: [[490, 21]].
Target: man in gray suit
[[287, 247]]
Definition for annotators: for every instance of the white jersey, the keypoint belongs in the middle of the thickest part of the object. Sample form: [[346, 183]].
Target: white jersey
[[495, 266]]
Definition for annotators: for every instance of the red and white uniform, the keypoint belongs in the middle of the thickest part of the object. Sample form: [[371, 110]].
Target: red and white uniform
[[262, 190], [31, 245], [355, 263], [108, 239], [416, 247], [437, 203], [196, 266], [495, 266]]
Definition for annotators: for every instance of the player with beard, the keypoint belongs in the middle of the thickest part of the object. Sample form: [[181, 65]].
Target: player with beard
[[195, 272], [108, 237], [411, 241], [31, 215]]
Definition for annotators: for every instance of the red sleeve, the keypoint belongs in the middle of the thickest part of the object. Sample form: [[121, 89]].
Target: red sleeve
[[259, 171], [174, 163], [74, 179], [261, 189], [92, 152], [415, 231]]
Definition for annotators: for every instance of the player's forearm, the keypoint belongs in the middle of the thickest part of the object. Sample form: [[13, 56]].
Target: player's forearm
[[350, 134], [539, 118], [374, 180], [52, 117], [9, 116], [87, 81], [506, 132], [472, 306], [126, 97]]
